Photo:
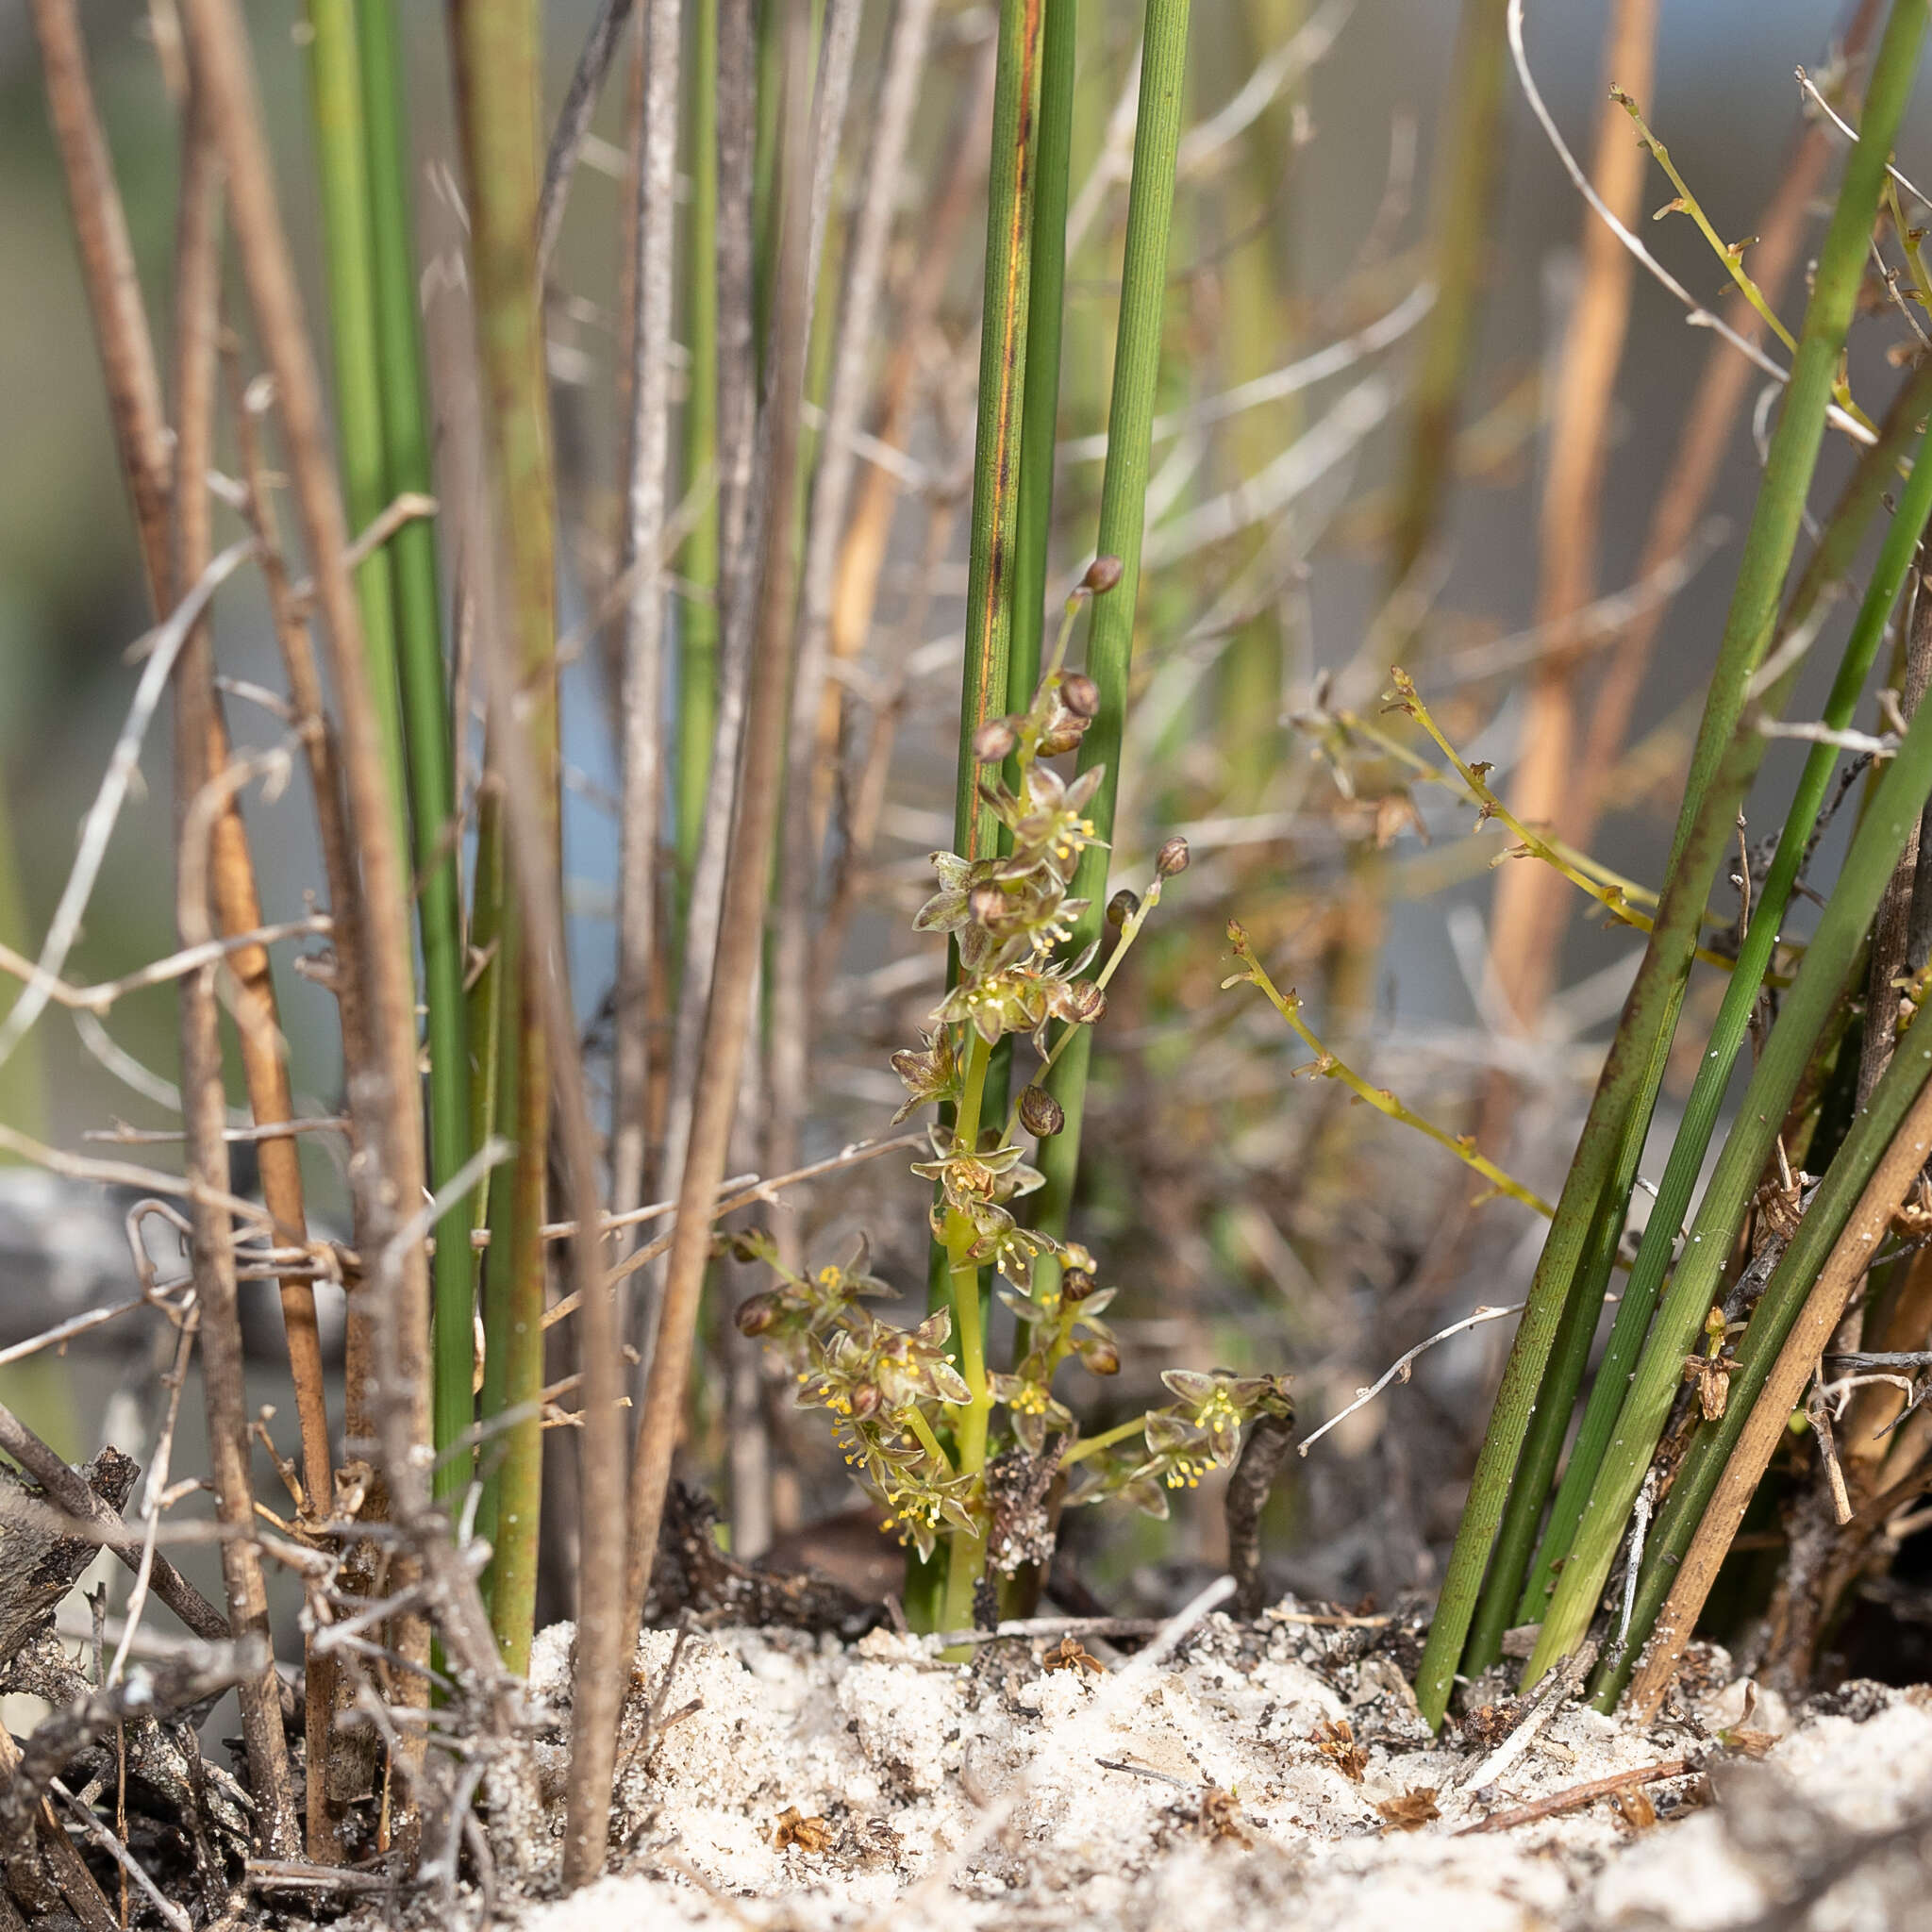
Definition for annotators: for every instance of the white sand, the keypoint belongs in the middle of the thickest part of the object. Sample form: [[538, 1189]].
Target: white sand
[[948, 1796]]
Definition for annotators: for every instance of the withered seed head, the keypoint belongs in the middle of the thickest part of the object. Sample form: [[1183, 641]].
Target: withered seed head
[[1041, 1115]]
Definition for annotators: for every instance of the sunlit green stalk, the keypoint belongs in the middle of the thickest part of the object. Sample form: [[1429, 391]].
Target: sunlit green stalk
[[426, 715], [1626, 1089], [1729, 1028], [496, 45], [697, 657], [1123, 517]]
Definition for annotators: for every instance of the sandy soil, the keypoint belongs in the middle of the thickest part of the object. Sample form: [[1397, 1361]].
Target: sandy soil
[[1263, 1774]]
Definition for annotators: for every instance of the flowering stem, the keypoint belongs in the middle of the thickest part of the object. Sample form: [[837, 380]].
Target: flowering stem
[[965, 1555], [1380, 1098], [1092, 1445], [1575, 867], [1131, 931], [927, 1440]]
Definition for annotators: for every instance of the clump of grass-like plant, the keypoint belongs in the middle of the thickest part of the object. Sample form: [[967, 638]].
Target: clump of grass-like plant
[[1523, 1554]]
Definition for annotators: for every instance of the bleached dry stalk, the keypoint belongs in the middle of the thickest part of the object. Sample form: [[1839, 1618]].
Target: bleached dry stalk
[[205, 1108], [807, 778], [740, 923], [649, 442]]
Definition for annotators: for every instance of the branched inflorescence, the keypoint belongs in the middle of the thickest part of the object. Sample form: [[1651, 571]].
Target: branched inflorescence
[[911, 1406]]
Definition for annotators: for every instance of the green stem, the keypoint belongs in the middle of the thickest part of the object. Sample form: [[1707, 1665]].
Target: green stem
[[966, 1555], [1730, 1027], [1780, 1307], [996, 450], [425, 720], [995, 466], [497, 59], [336, 94], [1092, 1445], [499, 1257], [1627, 1088], [927, 1440], [1046, 315], [1123, 518]]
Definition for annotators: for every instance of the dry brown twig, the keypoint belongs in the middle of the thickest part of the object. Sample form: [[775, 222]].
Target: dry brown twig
[[1577, 1796]]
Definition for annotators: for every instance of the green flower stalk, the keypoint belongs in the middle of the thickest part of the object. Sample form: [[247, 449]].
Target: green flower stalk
[[430, 753], [914, 1410]]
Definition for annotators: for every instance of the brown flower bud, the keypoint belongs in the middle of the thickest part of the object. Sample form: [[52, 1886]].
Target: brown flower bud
[[1084, 1002], [1172, 858], [985, 904], [1100, 1357], [1103, 574], [1077, 1284], [865, 1400], [1122, 908], [1080, 694], [757, 1314], [994, 739], [1041, 1115]]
